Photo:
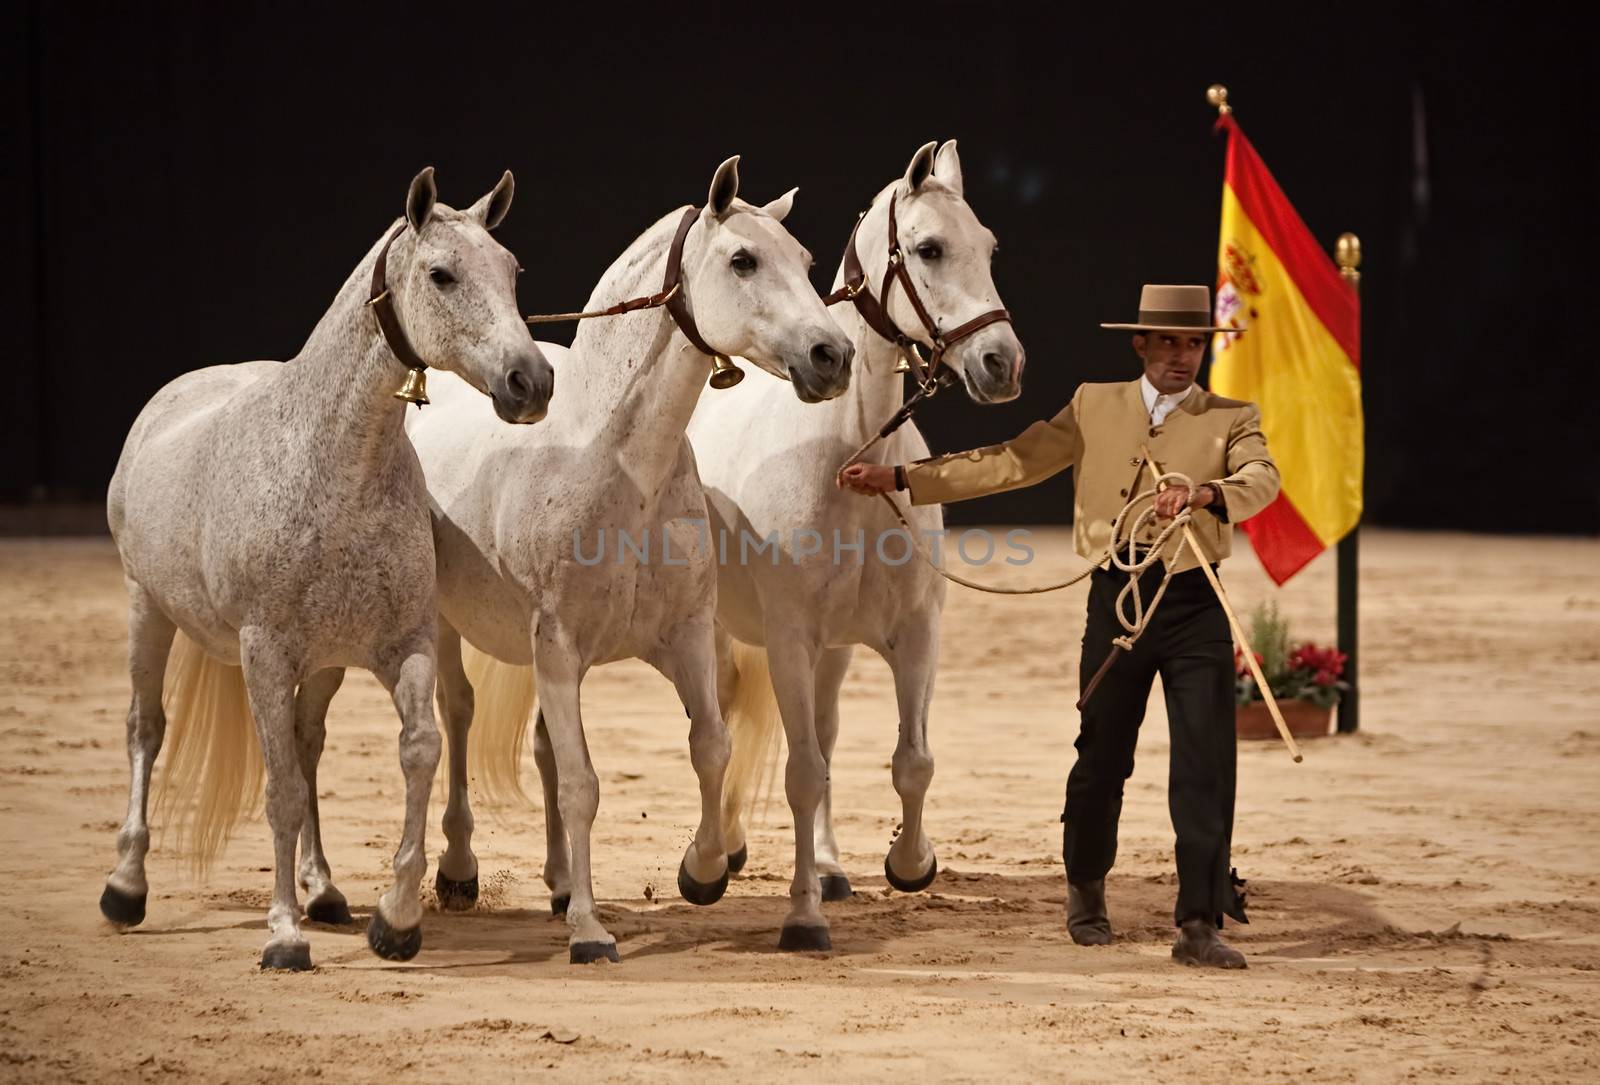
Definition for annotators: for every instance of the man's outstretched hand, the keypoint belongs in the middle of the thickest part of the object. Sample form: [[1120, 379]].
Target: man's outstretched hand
[[869, 479]]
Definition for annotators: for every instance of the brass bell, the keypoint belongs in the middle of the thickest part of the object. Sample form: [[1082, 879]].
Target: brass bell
[[724, 374], [415, 389], [903, 365]]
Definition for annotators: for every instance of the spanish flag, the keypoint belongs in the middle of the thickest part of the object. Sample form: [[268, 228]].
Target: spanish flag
[[1300, 361]]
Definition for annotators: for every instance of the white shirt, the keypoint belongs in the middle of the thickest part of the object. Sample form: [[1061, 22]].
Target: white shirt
[[1159, 405]]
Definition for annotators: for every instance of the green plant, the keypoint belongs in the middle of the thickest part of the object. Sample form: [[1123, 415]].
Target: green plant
[[1303, 672]]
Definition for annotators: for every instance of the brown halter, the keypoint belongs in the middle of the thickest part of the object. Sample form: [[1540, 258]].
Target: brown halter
[[415, 389], [724, 373], [875, 311]]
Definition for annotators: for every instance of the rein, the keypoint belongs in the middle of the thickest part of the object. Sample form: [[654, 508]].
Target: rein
[[724, 373], [381, 302]]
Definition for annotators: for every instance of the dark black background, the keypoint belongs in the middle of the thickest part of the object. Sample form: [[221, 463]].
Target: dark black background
[[188, 184]]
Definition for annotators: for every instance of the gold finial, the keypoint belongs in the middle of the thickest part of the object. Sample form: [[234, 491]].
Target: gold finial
[[1347, 254], [1217, 95]]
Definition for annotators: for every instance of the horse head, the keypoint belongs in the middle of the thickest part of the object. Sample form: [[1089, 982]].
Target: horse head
[[746, 280], [455, 290]]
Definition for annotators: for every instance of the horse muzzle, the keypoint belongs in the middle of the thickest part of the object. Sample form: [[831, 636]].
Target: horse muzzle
[[522, 393]]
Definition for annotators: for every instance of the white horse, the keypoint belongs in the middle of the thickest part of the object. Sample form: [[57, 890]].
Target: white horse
[[275, 515], [584, 540], [769, 466]]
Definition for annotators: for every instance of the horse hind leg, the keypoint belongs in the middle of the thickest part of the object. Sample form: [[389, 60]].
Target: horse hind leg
[[150, 635], [270, 682], [324, 902], [557, 859], [733, 800], [457, 879], [830, 677], [395, 931]]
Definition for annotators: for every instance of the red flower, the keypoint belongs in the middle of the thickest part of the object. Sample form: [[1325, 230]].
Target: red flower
[[1319, 661]]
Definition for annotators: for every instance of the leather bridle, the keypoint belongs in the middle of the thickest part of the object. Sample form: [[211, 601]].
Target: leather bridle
[[725, 374], [875, 310]]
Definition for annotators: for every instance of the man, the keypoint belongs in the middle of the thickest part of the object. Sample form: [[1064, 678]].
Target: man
[[1102, 433]]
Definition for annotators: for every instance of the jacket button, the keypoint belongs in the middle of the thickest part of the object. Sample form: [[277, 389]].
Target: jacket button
[[1124, 493], [1153, 431]]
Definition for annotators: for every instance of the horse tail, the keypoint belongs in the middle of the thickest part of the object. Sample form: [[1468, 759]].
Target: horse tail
[[503, 699], [214, 770], [754, 726]]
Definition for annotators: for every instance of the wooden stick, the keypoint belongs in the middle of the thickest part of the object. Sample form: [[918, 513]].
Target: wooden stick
[[1238, 630], [1088, 691]]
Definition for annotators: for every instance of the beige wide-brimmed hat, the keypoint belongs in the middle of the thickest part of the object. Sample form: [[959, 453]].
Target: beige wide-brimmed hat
[[1172, 309]]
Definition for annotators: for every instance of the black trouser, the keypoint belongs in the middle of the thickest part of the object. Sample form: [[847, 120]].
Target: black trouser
[[1189, 644]]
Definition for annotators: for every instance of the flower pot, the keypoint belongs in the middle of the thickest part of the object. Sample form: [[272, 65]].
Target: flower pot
[[1305, 720]]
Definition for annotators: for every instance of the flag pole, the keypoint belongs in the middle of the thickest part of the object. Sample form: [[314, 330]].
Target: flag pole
[[1347, 254]]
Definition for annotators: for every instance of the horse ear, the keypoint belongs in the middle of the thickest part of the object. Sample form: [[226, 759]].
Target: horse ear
[[491, 209], [921, 167], [779, 208], [421, 198], [947, 166], [724, 187]]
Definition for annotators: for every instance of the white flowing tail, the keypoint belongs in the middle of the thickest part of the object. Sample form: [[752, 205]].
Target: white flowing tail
[[213, 769], [503, 698], [754, 726]]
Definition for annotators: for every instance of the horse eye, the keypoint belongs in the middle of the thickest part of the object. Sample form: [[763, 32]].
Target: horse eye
[[743, 262], [930, 250], [441, 277]]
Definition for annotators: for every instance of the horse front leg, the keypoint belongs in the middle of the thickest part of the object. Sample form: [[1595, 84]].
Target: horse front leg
[[457, 879], [150, 635], [793, 667], [690, 662], [830, 677], [911, 865], [395, 932], [324, 902], [269, 678], [558, 674]]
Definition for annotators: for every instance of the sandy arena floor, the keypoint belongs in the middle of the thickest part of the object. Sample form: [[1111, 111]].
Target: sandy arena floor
[[1425, 895]]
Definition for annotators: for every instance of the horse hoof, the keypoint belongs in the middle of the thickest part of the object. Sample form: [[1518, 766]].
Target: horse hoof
[[392, 944], [456, 896], [701, 893], [559, 902], [805, 939], [590, 952], [916, 885], [287, 956], [123, 909], [331, 910], [836, 887], [737, 859]]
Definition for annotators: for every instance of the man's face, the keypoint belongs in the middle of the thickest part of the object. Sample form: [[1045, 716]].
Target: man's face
[[1171, 359]]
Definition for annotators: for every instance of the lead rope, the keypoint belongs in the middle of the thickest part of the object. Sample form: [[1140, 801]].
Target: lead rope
[[1133, 564]]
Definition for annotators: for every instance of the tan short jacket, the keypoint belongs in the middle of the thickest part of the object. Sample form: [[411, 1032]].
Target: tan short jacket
[[1208, 438]]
